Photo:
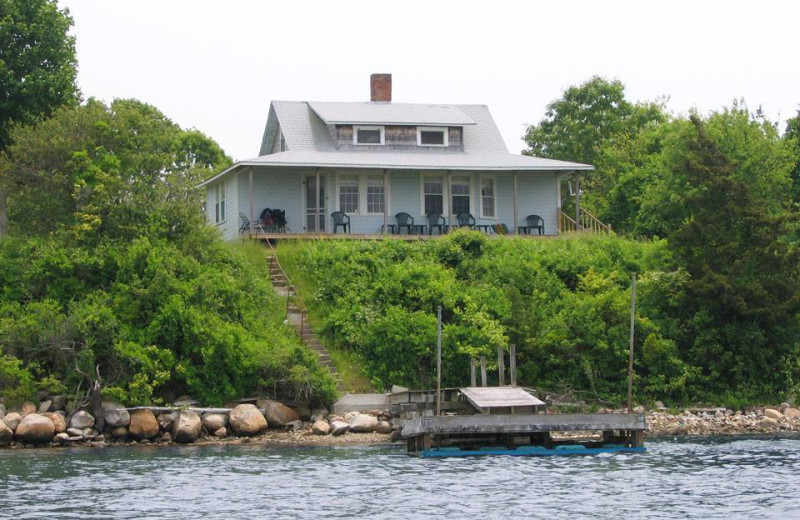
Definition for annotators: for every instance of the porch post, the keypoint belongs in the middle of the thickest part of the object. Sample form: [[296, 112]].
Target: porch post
[[515, 204], [448, 200], [250, 194], [578, 226], [317, 213], [385, 200]]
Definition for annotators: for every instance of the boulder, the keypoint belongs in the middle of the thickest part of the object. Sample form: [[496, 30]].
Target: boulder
[[772, 413], [349, 415], [383, 427], [187, 427], [303, 411], [214, 421], [115, 415], [81, 420], [319, 414], [295, 425], [768, 423], [321, 428], [363, 423], [166, 420], [677, 429], [61, 438], [45, 406], [6, 434], [120, 432], [58, 402], [58, 421], [278, 414], [167, 437], [791, 413], [396, 435], [27, 409], [74, 432], [339, 428], [245, 419], [12, 420], [143, 425], [638, 409], [221, 433], [35, 429], [90, 433]]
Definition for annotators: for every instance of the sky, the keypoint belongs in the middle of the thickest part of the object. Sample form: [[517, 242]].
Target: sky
[[216, 65]]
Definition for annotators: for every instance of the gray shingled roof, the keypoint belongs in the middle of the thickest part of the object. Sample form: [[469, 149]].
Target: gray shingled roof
[[390, 114]]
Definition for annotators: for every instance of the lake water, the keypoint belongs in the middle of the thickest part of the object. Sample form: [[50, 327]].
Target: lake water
[[710, 478]]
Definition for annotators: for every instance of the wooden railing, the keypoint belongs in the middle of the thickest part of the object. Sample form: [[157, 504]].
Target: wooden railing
[[588, 223]]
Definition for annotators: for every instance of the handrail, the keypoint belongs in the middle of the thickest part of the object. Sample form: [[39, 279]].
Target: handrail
[[588, 223], [291, 286]]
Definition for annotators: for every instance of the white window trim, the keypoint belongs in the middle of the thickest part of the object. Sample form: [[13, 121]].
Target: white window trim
[[471, 192], [480, 194], [361, 188], [356, 128], [365, 182], [445, 192], [445, 130], [224, 210]]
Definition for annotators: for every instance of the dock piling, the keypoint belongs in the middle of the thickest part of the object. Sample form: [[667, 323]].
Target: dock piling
[[512, 363], [501, 367], [473, 379], [483, 370]]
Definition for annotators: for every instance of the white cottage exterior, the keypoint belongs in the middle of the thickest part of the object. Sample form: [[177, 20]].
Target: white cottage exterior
[[373, 160]]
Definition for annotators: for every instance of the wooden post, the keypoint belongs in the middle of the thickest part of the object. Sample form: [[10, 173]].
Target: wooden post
[[630, 353], [448, 200], [483, 370], [473, 379], [512, 363], [577, 202], [501, 367], [385, 200], [318, 212], [515, 204], [250, 192], [439, 360]]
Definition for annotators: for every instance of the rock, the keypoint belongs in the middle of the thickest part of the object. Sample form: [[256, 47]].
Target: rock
[[638, 409], [303, 411], [278, 414], [768, 423], [321, 428], [784, 406], [6, 434], [319, 414], [75, 432], [166, 420], [58, 402], [27, 409], [81, 420], [221, 433], [396, 435], [61, 438], [659, 405], [120, 432], [115, 415], [187, 427], [58, 421], [36, 429], [349, 415], [214, 421], [45, 406], [2, 411], [362, 423], [167, 437], [383, 427], [295, 425], [791, 413], [12, 420], [90, 433], [339, 428], [143, 425], [772, 413], [678, 429], [245, 419], [41, 395]]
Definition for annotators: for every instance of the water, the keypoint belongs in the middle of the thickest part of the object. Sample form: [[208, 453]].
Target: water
[[712, 478]]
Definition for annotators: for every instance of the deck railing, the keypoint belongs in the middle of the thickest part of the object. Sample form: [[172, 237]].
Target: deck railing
[[588, 223]]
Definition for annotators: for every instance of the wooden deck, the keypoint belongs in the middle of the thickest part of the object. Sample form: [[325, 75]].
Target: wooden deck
[[368, 236]]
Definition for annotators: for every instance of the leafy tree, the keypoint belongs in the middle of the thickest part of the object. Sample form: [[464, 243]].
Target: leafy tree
[[792, 135], [37, 69]]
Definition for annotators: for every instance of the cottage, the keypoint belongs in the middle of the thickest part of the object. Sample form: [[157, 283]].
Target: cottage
[[382, 167]]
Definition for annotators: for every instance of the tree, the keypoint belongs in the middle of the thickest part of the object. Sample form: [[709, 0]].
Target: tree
[[37, 69], [792, 135]]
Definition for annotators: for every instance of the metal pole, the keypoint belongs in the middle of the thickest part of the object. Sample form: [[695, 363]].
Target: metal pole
[[501, 367], [512, 362], [630, 354], [439, 360]]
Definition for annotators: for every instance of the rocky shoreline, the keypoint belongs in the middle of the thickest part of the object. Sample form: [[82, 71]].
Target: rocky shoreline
[[721, 421]]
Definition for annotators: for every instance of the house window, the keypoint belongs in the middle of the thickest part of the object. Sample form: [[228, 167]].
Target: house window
[[433, 195], [376, 198], [348, 193], [219, 204], [368, 135], [460, 194], [487, 197], [431, 136]]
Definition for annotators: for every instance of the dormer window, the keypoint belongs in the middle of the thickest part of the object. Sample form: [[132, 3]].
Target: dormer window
[[368, 135], [431, 136]]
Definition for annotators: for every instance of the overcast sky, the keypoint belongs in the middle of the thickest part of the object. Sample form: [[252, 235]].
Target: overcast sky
[[215, 65]]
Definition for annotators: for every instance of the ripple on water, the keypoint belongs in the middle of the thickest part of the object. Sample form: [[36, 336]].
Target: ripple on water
[[709, 478]]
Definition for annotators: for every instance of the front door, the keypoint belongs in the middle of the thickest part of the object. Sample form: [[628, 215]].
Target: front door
[[315, 207]]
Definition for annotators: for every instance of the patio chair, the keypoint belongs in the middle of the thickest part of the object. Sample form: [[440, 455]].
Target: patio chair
[[436, 220], [404, 220], [244, 226], [534, 222], [465, 220], [340, 218], [500, 229]]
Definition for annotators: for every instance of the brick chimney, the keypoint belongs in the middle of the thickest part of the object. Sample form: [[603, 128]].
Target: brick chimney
[[380, 87]]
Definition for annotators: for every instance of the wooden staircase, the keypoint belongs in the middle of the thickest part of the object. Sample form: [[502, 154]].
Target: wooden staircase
[[296, 316]]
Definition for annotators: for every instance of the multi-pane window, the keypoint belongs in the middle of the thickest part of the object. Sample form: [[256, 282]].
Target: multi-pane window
[[376, 198], [368, 135], [427, 136], [433, 194], [487, 197], [460, 194], [219, 203], [348, 194]]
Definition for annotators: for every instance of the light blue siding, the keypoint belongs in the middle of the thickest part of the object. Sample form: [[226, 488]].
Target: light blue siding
[[229, 226]]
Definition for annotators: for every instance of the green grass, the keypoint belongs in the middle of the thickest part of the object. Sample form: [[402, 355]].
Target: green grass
[[349, 366]]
